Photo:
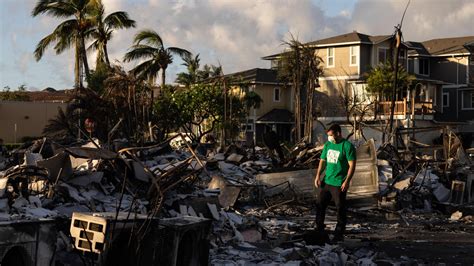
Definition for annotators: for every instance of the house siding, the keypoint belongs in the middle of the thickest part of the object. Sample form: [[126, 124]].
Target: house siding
[[449, 70], [265, 91], [471, 70], [328, 100], [365, 58], [341, 62], [455, 112]]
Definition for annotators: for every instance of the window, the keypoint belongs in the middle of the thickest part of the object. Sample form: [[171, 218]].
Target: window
[[401, 54], [402, 58], [468, 100], [275, 63], [330, 57], [354, 55], [276, 94], [382, 55], [424, 66], [247, 127], [445, 99]]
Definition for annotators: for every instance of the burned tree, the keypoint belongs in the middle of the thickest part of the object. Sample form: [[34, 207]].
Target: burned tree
[[300, 67]]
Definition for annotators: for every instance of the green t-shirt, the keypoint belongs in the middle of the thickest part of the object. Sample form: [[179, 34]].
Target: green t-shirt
[[337, 156]]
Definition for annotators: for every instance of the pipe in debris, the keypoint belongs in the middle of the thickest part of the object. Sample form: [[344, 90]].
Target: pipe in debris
[[50, 192], [194, 154]]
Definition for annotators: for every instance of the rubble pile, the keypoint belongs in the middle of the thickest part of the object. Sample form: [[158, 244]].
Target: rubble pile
[[422, 183], [261, 205]]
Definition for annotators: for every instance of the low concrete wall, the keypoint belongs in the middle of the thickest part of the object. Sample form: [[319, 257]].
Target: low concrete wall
[[25, 119]]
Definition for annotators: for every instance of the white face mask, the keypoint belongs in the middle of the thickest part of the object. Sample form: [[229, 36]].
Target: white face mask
[[332, 139]]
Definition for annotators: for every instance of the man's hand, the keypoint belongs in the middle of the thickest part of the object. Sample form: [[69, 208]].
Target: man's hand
[[317, 182], [345, 186]]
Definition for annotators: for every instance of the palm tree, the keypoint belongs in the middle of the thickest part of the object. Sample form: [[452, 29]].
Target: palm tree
[[192, 64], [157, 56], [71, 32], [210, 71], [103, 29], [62, 126]]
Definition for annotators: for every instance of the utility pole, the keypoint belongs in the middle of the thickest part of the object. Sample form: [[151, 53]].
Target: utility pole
[[398, 42]]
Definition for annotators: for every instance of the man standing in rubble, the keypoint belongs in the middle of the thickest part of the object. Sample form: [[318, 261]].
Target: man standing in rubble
[[339, 158]]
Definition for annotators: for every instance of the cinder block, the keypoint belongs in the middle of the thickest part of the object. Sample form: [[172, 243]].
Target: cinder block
[[88, 232]]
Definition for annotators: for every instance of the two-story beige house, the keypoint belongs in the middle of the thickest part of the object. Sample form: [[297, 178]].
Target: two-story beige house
[[275, 111], [448, 62], [442, 91], [347, 59]]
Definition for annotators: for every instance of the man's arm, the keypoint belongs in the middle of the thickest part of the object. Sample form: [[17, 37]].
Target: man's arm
[[350, 173], [317, 180]]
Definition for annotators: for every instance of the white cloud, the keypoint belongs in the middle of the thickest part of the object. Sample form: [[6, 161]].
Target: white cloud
[[424, 20], [234, 33]]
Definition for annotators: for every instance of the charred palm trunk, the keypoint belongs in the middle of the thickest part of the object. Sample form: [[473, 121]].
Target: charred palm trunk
[[106, 55], [297, 84], [395, 82], [163, 80], [308, 130], [77, 67], [84, 56]]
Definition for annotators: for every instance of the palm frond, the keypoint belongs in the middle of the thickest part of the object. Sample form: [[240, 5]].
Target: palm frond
[[146, 69], [179, 51], [150, 37], [119, 20], [139, 51], [43, 45], [55, 8]]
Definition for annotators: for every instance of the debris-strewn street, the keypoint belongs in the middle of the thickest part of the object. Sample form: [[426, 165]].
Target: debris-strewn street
[[260, 210]]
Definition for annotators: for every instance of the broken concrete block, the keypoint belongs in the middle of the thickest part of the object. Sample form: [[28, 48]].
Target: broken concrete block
[[237, 219], [192, 212], [227, 168], [228, 194], [219, 157], [183, 210], [426, 178], [213, 210], [40, 212], [441, 193], [72, 192], [173, 213], [4, 205], [234, 157], [54, 165], [85, 180], [140, 173], [35, 201], [31, 158], [69, 208]]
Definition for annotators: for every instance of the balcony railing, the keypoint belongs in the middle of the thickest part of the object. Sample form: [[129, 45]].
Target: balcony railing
[[404, 107]]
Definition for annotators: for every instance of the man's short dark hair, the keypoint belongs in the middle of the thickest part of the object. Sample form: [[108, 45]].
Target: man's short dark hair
[[335, 128]]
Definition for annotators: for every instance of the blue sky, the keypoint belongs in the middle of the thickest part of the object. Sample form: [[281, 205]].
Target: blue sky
[[233, 33]]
